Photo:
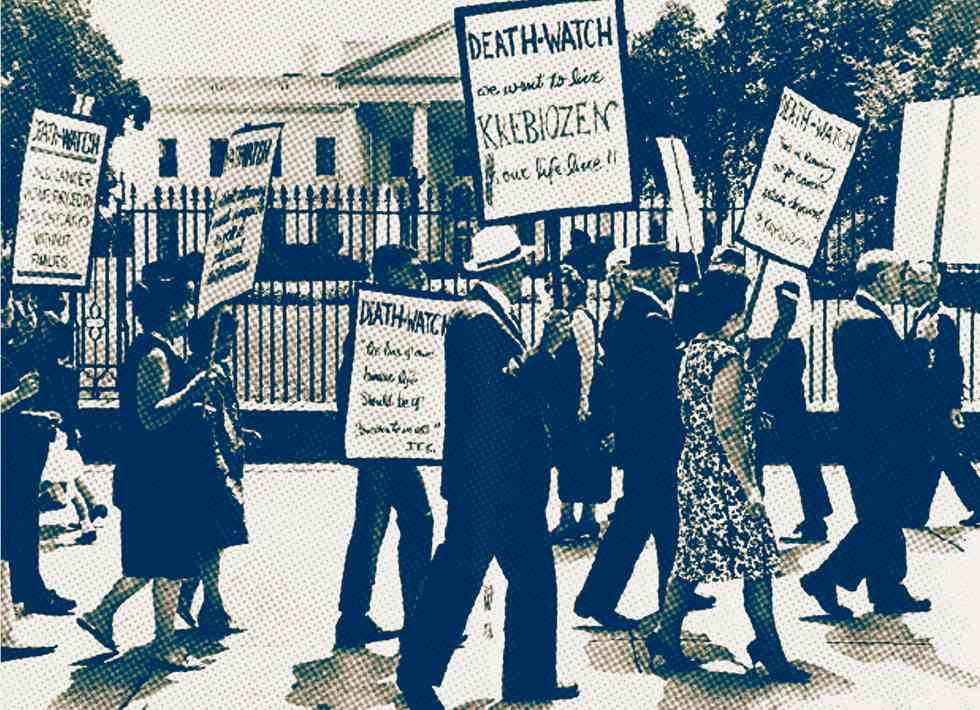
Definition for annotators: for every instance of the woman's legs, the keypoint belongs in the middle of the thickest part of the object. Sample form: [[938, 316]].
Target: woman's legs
[[121, 591], [676, 605], [757, 597], [210, 570], [165, 593], [767, 649]]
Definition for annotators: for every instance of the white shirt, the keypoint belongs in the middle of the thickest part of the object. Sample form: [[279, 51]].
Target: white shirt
[[668, 306], [884, 309]]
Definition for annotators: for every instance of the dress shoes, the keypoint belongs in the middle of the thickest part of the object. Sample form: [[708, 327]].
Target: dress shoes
[[356, 631], [905, 604], [607, 619], [700, 602], [807, 534], [418, 696], [48, 603], [549, 695], [825, 592]]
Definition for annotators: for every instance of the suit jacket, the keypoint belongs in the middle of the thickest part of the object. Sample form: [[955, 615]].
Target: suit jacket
[[874, 369], [643, 358], [496, 446], [873, 365]]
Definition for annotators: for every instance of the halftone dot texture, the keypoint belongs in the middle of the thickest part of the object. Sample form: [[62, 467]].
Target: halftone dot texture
[[284, 585]]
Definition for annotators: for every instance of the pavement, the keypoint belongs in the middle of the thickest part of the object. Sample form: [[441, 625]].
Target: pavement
[[283, 588]]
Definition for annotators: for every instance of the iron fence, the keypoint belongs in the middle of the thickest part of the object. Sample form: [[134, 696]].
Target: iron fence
[[316, 247]]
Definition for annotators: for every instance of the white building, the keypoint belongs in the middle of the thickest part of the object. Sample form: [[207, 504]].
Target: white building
[[366, 123]]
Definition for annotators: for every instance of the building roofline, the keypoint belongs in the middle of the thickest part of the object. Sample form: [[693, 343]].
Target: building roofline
[[350, 70]]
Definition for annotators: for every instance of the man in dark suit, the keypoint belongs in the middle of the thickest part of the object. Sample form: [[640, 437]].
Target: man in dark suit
[[873, 363], [643, 357], [496, 478], [383, 485]]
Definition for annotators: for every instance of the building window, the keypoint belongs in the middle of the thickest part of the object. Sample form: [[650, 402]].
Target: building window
[[277, 160], [464, 163], [399, 157], [219, 147], [326, 156], [168, 157]]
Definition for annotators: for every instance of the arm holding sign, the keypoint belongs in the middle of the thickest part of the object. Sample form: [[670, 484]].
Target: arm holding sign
[[153, 407], [786, 304]]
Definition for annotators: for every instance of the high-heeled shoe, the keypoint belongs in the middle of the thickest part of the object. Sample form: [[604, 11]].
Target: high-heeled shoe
[[674, 659], [777, 668]]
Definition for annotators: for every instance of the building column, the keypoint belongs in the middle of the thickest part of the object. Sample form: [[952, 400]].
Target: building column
[[420, 138]]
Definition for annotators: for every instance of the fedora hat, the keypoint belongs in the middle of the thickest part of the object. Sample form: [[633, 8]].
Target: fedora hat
[[645, 256], [495, 247]]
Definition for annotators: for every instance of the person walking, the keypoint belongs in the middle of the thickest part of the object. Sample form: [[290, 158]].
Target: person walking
[[155, 480], [642, 352], [495, 477], [724, 533], [222, 459], [584, 474], [940, 367], [383, 486], [878, 442], [27, 421]]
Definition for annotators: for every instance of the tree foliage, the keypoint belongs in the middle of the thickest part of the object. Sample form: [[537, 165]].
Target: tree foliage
[[51, 52], [861, 59]]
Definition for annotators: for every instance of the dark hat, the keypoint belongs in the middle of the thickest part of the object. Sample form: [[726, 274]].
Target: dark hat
[[185, 268], [645, 256], [167, 282], [728, 256]]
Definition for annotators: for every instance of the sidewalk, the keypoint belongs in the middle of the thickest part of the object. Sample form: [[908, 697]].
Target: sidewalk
[[284, 586]]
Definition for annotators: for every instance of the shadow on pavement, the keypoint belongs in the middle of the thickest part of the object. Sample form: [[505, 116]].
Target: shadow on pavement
[[708, 689], [114, 681], [575, 551], [18, 653], [705, 688], [791, 559], [876, 638], [937, 541], [350, 679]]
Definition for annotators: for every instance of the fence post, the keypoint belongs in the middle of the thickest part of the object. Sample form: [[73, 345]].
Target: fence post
[[414, 181], [552, 236]]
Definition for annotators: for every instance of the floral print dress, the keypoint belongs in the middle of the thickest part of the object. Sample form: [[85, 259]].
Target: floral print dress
[[717, 541]]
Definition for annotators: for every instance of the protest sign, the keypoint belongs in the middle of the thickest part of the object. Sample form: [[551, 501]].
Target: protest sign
[[397, 400], [796, 186], [543, 92], [936, 199], [235, 236], [685, 231], [58, 189]]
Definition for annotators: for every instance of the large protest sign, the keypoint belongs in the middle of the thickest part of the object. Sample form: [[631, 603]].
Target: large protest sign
[[685, 231], [235, 237], [397, 400], [543, 89], [940, 145], [796, 186], [58, 191]]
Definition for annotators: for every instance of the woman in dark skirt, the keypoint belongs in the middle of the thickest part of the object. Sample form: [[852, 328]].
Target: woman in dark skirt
[[583, 468], [154, 483], [222, 468]]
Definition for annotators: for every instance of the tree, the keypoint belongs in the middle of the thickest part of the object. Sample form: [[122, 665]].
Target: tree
[[861, 59], [51, 52]]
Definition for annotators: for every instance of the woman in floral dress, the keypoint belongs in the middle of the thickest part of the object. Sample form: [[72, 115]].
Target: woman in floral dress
[[724, 532]]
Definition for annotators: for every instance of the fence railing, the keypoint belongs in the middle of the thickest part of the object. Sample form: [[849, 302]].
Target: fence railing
[[316, 247]]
